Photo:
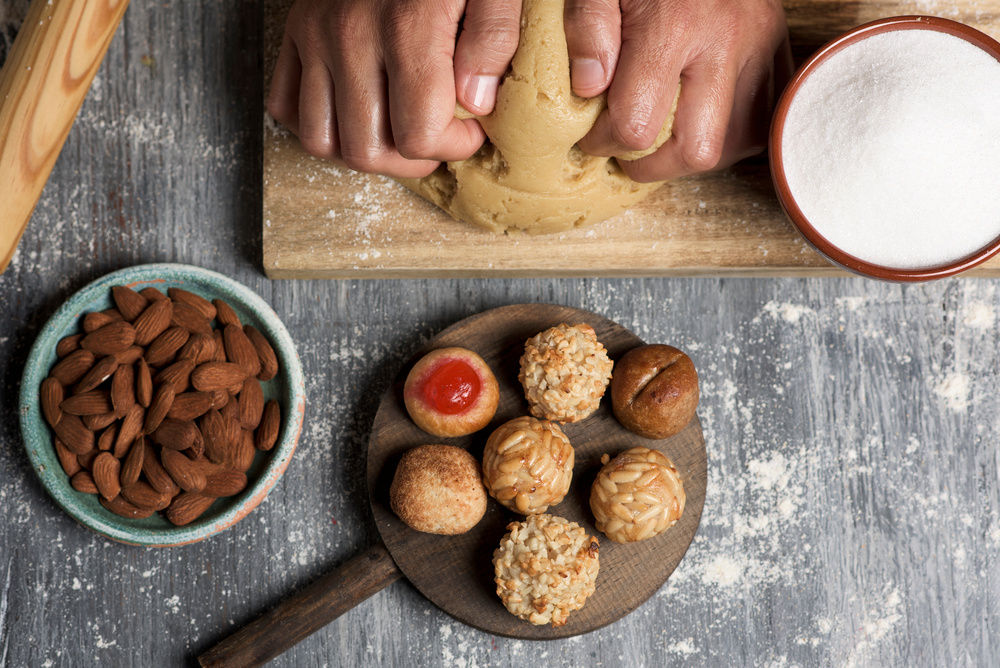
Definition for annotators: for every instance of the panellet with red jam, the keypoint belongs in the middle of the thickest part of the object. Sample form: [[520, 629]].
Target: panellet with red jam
[[451, 392]]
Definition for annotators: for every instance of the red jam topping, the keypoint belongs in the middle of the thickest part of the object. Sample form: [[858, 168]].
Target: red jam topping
[[450, 387]]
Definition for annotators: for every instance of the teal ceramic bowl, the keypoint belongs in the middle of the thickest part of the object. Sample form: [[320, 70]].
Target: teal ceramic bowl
[[287, 387]]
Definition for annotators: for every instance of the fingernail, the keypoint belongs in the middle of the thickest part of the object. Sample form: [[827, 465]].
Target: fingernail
[[481, 92], [586, 74]]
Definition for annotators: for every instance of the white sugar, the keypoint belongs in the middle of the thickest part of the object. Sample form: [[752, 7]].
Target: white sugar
[[891, 148]]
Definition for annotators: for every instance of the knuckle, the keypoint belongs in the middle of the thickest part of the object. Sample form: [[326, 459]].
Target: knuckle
[[634, 132], [493, 37], [318, 144], [588, 16], [370, 159], [703, 153], [417, 144]]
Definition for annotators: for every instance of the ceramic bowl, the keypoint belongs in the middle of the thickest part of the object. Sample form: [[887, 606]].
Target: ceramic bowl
[[787, 199], [287, 387]]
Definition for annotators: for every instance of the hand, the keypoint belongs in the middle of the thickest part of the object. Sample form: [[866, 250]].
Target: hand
[[731, 57], [372, 84]]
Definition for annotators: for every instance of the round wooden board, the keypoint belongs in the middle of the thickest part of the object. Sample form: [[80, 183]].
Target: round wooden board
[[456, 572]]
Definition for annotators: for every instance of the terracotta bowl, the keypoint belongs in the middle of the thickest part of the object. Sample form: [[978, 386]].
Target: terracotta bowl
[[287, 387], [787, 199]]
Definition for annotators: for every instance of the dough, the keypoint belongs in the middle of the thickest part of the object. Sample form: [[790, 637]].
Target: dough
[[531, 176]]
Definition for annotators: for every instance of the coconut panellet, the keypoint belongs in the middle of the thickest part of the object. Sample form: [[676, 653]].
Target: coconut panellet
[[437, 489], [545, 568], [565, 371], [637, 495], [528, 465]]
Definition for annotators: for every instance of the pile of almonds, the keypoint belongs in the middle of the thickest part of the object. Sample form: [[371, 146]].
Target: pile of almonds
[[153, 409]]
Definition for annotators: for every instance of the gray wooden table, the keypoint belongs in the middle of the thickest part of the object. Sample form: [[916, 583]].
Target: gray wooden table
[[853, 510]]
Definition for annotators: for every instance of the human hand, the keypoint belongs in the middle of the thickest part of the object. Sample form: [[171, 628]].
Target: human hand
[[731, 57], [372, 84]]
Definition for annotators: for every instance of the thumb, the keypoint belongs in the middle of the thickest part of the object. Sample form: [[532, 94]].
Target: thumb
[[490, 32], [594, 39]]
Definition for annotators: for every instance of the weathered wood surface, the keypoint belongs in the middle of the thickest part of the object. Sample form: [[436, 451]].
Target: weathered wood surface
[[853, 506], [324, 222]]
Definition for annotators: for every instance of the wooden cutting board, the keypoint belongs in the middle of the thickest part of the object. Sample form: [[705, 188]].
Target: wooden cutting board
[[320, 221]]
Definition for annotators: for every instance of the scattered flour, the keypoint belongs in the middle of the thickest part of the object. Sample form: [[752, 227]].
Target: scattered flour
[[788, 312], [954, 391]]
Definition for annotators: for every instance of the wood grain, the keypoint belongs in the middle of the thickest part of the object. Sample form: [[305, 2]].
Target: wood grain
[[43, 83], [323, 222], [456, 572]]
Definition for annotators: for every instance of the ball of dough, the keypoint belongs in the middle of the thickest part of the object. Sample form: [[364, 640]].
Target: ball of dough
[[531, 176], [545, 568], [637, 495], [437, 489], [451, 392], [655, 391], [564, 372], [528, 465]]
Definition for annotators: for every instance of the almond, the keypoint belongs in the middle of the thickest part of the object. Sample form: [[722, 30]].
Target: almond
[[107, 475], [270, 425], [244, 451], [99, 373], [224, 482], [96, 423], [154, 295], [123, 389], [251, 403], [163, 349], [68, 344], [130, 429], [95, 320], [187, 507], [154, 471], [219, 398], [213, 431], [130, 356], [268, 360], [68, 460], [153, 321], [129, 302], [175, 434], [205, 307], [185, 473], [132, 466], [177, 374], [115, 337], [240, 350], [114, 314], [82, 481], [123, 508], [50, 396], [143, 384], [73, 367], [190, 405], [142, 495], [95, 402], [159, 407], [200, 348], [197, 449], [191, 319], [231, 417], [86, 460], [220, 347], [107, 438], [217, 376], [225, 315], [74, 435]]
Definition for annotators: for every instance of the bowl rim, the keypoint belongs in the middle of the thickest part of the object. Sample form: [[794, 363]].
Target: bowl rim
[[44, 461], [812, 236]]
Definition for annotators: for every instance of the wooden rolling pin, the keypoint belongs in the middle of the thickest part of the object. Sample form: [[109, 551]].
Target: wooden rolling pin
[[43, 83]]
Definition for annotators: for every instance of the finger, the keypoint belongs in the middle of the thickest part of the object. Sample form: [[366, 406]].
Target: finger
[[364, 128], [421, 89], [752, 107], [642, 92], [317, 115], [283, 97], [489, 37], [593, 38], [700, 125]]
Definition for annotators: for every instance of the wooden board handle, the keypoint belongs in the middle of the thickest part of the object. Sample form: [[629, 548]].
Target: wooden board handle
[[307, 611], [55, 56]]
